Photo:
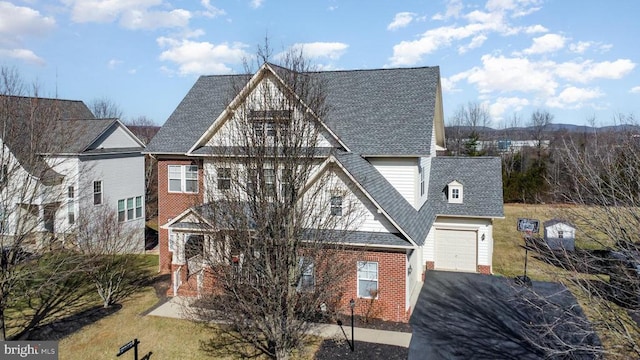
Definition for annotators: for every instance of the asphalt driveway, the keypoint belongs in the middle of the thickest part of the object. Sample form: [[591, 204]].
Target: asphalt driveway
[[475, 316]]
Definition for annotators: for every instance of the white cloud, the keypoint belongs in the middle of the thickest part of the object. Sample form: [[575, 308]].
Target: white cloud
[[476, 42], [502, 74], [545, 44], [573, 97], [133, 14], [580, 47], [211, 11], [454, 7], [480, 24], [635, 90], [535, 29], [22, 54], [17, 21], [315, 50], [113, 63], [138, 19], [201, 57], [502, 105], [588, 70], [256, 3], [401, 20]]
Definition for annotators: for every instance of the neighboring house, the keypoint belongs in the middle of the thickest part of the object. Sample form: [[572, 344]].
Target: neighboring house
[[59, 163], [385, 127], [559, 234]]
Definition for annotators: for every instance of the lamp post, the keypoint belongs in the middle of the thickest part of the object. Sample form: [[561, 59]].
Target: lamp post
[[352, 304]]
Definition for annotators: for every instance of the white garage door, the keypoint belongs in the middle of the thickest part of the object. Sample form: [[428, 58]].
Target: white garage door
[[456, 250]]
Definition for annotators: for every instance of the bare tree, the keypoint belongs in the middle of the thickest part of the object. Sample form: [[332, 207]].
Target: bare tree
[[540, 121], [602, 180], [106, 241], [281, 212], [473, 118], [31, 192], [145, 129], [105, 108]]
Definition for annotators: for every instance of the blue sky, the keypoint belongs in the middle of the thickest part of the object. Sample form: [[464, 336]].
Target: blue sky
[[576, 59]]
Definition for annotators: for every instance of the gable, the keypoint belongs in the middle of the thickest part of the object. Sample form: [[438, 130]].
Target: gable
[[265, 93], [331, 181], [116, 136], [259, 109]]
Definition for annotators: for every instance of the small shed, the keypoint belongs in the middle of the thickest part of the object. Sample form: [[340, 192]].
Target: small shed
[[559, 235]]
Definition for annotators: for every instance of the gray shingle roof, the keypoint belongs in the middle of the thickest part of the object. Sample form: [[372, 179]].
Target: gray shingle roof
[[481, 178], [29, 118], [368, 110], [383, 193], [205, 101]]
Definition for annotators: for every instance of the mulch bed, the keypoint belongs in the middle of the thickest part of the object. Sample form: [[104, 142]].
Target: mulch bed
[[331, 349]]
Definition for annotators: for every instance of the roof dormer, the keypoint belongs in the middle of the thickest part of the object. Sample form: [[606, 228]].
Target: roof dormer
[[454, 192]]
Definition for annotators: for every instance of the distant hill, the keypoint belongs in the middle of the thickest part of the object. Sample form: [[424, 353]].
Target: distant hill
[[524, 133]]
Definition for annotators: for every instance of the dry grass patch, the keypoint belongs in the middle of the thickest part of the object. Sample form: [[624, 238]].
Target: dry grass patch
[[166, 338]]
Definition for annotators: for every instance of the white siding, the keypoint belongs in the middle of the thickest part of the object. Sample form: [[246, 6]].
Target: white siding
[[117, 137], [402, 174], [551, 232], [227, 132], [122, 178], [481, 226], [425, 163]]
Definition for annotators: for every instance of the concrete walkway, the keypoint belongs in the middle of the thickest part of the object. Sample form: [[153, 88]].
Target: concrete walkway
[[173, 309]]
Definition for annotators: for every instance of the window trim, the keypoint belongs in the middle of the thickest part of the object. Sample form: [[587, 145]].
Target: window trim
[[223, 175], [336, 204], [186, 175], [455, 193], [99, 192], [128, 209], [359, 271], [308, 273], [71, 211]]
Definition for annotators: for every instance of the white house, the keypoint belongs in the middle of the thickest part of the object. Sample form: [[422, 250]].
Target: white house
[[59, 162], [381, 136]]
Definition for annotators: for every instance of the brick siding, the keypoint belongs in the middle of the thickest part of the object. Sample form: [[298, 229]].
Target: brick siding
[[171, 205]]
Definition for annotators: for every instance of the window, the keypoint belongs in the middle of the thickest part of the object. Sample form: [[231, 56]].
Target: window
[[269, 181], [336, 205], [138, 207], [307, 279], [121, 210], [183, 178], [97, 192], [71, 214], [270, 122], [421, 170], [367, 279], [130, 208], [455, 192], [252, 180], [224, 178], [191, 178], [266, 185], [172, 241], [560, 234]]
